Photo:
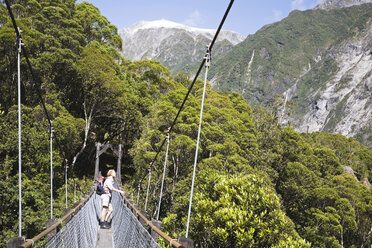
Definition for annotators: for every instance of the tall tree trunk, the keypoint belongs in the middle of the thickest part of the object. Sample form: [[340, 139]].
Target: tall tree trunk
[[88, 121]]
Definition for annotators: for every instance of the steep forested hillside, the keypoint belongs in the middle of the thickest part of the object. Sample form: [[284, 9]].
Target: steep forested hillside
[[257, 185], [319, 60]]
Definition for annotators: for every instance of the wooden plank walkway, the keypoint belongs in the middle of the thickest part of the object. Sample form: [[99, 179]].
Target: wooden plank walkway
[[104, 238]]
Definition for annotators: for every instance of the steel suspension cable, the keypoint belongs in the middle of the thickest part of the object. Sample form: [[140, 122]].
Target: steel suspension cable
[[162, 181], [36, 80], [148, 186], [37, 85], [51, 172], [138, 194], [19, 48], [191, 86], [197, 141]]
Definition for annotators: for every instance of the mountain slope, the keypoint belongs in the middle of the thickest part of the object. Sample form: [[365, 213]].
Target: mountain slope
[[174, 45], [320, 60]]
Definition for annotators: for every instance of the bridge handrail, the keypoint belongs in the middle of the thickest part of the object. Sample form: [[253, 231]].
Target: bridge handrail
[[30, 242], [152, 226]]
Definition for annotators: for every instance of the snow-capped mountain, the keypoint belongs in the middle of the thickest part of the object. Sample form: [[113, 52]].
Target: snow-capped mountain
[[334, 4], [173, 44]]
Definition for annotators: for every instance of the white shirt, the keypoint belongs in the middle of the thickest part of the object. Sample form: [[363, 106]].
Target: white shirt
[[108, 185]]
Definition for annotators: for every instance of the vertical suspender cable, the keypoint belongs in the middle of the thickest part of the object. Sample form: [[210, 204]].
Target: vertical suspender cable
[[138, 194], [207, 63], [74, 190], [118, 170], [66, 167], [51, 172], [190, 88], [162, 182], [148, 186], [19, 49], [33, 75]]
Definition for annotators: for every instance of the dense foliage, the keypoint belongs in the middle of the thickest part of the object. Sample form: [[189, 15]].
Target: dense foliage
[[257, 185], [253, 175]]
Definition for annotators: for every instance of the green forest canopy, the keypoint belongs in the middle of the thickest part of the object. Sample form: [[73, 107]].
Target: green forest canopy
[[258, 184]]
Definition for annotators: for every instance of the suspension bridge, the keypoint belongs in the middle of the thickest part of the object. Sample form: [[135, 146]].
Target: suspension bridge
[[79, 225]]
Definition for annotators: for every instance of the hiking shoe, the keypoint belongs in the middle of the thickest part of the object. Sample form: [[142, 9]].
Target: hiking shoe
[[105, 225]]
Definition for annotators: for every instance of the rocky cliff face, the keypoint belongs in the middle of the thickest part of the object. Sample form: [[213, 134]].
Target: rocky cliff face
[[174, 45], [344, 104]]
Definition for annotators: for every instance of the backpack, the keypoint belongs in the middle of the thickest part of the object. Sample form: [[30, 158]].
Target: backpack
[[100, 190]]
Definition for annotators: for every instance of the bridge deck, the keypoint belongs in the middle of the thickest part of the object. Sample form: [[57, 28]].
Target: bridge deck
[[104, 238]]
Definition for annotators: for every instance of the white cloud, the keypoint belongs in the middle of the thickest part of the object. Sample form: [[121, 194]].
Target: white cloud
[[277, 15], [298, 4], [193, 19]]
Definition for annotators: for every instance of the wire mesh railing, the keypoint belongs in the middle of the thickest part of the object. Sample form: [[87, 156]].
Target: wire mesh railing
[[140, 216], [82, 229], [127, 231], [79, 227], [83, 210]]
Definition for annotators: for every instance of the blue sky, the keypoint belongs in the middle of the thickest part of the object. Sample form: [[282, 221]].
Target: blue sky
[[246, 16]]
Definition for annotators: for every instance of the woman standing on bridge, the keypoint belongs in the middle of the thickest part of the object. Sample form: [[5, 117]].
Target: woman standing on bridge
[[106, 199]]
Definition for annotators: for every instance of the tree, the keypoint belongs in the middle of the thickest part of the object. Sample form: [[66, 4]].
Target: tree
[[239, 211], [323, 227], [101, 89], [295, 186], [96, 27]]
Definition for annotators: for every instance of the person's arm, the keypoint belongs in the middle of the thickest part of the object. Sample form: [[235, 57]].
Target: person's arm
[[110, 185], [118, 190]]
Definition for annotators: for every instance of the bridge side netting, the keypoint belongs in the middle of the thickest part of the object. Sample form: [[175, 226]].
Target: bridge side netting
[[82, 229], [127, 231]]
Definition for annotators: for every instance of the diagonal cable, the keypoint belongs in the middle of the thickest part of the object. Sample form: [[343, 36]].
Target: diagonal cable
[[192, 84], [195, 78], [37, 80]]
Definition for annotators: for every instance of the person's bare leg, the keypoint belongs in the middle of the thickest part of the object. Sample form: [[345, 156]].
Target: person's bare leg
[[110, 209], [103, 214]]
